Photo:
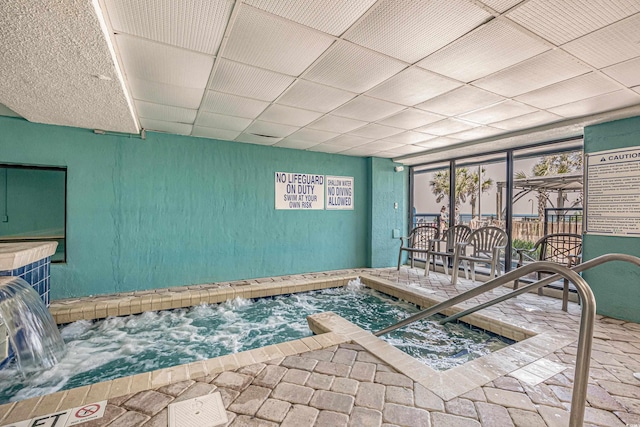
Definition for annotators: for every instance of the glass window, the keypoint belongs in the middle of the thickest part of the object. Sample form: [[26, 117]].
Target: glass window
[[431, 196], [32, 206]]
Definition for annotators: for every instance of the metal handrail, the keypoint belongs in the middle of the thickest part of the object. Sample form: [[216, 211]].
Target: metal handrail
[[533, 286], [585, 336]]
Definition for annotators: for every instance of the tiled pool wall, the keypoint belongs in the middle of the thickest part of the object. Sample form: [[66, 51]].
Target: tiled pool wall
[[37, 274]]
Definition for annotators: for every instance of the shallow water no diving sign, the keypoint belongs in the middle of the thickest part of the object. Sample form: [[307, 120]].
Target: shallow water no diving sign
[[70, 417]]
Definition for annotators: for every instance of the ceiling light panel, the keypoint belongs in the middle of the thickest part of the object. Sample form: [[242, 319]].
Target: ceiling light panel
[[491, 48], [409, 137], [598, 104], [477, 133], [312, 135], [257, 139], [495, 113], [195, 25], [530, 120], [581, 87], [501, 5], [353, 68], [367, 109], [543, 70], [329, 16], [270, 129], [222, 134], [627, 73], [337, 124], [412, 86], [161, 93], [411, 118], [416, 29], [349, 140], [165, 113], [314, 96], [232, 105], [563, 21], [375, 131], [251, 82], [267, 41], [169, 127], [461, 100], [615, 43], [289, 115], [327, 148], [220, 121], [161, 63], [446, 127], [290, 142]]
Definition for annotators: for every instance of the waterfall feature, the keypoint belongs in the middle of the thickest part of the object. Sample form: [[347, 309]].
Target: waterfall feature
[[33, 334]]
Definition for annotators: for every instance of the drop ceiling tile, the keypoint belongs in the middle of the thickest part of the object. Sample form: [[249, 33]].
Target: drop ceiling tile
[[375, 131], [267, 41], [213, 120], [563, 21], [364, 151], [245, 80], [409, 137], [461, 100], [288, 115], [291, 142], [493, 47], [337, 124], [501, 5], [222, 134], [636, 88], [257, 139], [165, 113], [161, 93], [349, 140], [416, 29], [530, 120], [543, 70], [446, 127], [413, 86], [411, 118], [386, 154], [327, 148], [477, 133], [439, 142], [314, 96], [147, 60], [8, 112], [170, 127], [598, 104], [329, 16], [498, 112], [312, 135], [232, 105], [367, 109], [616, 43], [581, 87], [382, 145], [353, 68], [406, 149], [195, 25], [270, 129], [627, 73]]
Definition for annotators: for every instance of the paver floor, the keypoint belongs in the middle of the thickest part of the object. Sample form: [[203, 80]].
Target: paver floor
[[346, 385]]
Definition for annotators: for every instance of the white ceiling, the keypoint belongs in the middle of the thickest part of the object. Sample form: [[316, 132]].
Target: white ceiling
[[407, 79]]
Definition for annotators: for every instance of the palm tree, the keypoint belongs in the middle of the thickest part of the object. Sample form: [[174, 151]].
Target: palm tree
[[467, 186]]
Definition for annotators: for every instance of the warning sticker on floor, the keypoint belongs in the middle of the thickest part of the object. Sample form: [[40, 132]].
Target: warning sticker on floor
[[70, 417]]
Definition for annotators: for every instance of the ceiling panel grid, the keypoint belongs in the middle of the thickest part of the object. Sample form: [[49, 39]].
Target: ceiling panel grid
[[227, 135], [314, 96], [288, 115], [166, 113], [251, 82], [219, 121], [411, 118], [366, 108], [461, 100], [167, 94], [232, 105]]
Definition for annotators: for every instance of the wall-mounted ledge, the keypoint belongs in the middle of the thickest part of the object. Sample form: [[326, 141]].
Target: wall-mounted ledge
[[16, 255]]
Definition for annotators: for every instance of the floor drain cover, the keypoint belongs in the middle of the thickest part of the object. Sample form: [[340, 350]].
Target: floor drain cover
[[203, 411]]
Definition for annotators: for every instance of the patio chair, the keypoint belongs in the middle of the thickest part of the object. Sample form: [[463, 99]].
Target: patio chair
[[418, 241], [444, 247], [484, 246], [561, 248]]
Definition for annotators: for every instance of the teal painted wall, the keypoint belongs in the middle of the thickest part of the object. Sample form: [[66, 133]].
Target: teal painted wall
[[173, 210], [615, 285], [33, 201], [387, 187]]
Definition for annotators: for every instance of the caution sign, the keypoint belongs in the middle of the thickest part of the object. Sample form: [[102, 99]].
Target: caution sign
[[299, 191], [339, 192], [69, 417]]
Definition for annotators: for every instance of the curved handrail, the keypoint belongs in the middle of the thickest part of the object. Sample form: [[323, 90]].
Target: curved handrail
[[585, 337], [533, 286]]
